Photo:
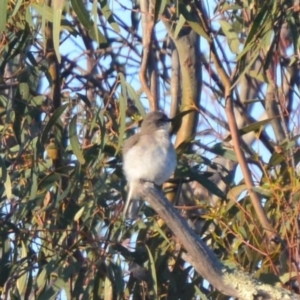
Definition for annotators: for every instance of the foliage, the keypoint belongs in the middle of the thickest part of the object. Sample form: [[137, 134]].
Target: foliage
[[69, 95]]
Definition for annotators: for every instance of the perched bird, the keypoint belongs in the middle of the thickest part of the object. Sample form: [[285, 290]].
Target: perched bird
[[148, 155]]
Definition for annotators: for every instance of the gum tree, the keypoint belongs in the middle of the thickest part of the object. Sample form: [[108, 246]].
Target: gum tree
[[76, 79]]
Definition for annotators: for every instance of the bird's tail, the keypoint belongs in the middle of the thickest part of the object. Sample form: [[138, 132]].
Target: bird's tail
[[132, 204]]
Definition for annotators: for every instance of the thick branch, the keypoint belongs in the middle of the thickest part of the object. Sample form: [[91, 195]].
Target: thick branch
[[231, 283]]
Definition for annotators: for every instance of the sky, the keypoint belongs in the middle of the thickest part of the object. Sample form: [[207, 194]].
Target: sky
[[75, 53]]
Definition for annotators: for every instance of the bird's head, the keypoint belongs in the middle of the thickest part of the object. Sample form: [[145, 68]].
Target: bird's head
[[156, 120]]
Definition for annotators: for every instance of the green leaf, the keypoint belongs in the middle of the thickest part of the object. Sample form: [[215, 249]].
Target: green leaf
[[97, 35], [262, 192], [17, 6], [133, 95], [244, 66], [49, 181], [84, 17], [74, 140], [249, 128], [108, 15], [108, 289], [258, 75], [251, 51], [193, 21], [85, 99], [232, 37], [276, 159], [256, 28], [101, 122], [226, 6], [21, 281], [123, 108], [6, 179], [208, 184], [5, 259], [95, 17], [234, 193], [3, 14], [162, 233], [123, 85], [44, 10], [57, 13], [52, 121], [79, 214], [153, 273], [34, 173], [159, 8], [41, 279], [43, 27], [122, 121], [18, 43], [222, 150], [82, 13], [24, 90], [198, 29], [199, 293], [179, 25], [243, 232]]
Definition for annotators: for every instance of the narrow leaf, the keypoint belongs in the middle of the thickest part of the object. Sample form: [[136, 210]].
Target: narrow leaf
[[52, 121], [17, 6], [5, 177], [74, 140], [3, 14], [109, 16], [208, 184], [84, 17], [159, 8], [58, 7], [232, 37], [153, 272], [223, 151], [179, 25], [134, 96], [85, 99], [21, 281], [79, 214], [193, 21], [249, 128], [43, 10], [82, 13], [123, 106], [95, 18], [48, 182]]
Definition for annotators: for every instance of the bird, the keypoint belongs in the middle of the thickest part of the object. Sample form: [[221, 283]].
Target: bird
[[148, 156]]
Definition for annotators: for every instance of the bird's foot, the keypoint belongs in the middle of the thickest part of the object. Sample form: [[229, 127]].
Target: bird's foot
[[145, 180], [149, 181]]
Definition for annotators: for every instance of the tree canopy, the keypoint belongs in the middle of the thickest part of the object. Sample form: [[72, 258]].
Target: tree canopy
[[76, 79]]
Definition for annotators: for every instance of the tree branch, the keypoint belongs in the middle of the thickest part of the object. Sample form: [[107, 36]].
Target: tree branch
[[230, 282], [226, 81], [148, 25]]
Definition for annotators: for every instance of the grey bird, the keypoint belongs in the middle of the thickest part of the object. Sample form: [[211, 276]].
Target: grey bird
[[148, 155]]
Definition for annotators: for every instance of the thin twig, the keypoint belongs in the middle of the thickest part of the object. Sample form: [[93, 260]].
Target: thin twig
[[148, 25]]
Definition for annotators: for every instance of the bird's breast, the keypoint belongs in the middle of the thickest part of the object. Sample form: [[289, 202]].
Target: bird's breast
[[153, 158]]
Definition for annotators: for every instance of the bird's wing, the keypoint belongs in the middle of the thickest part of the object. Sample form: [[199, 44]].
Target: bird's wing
[[132, 205], [129, 143]]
